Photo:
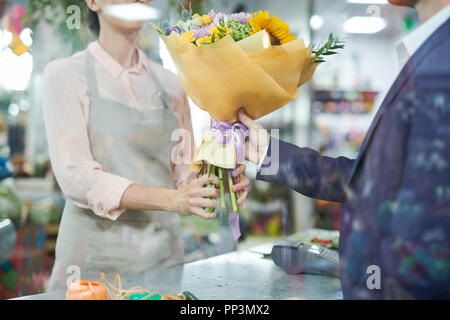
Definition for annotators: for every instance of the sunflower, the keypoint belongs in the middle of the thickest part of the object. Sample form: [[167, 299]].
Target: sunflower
[[277, 29]]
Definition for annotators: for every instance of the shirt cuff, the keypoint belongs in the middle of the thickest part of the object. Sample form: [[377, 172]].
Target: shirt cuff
[[251, 169], [261, 161], [105, 195]]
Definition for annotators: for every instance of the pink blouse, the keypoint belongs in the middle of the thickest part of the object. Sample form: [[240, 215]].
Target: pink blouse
[[66, 113]]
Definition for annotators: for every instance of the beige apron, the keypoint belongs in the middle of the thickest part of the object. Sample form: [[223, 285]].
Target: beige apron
[[136, 145]]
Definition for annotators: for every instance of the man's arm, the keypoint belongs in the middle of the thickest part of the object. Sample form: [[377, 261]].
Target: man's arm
[[306, 171], [302, 169]]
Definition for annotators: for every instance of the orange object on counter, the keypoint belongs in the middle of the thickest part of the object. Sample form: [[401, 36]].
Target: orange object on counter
[[322, 241], [87, 290]]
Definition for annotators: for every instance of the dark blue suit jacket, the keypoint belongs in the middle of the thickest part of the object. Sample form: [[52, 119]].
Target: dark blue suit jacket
[[395, 197]]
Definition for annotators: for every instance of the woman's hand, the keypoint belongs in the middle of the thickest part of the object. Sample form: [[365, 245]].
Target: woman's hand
[[242, 185], [194, 198]]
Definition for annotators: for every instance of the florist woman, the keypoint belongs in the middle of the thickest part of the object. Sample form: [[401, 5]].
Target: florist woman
[[110, 113]]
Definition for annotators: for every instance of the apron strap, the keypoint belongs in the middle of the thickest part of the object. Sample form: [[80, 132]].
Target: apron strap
[[90, 75], [93, 86], [165, 98]]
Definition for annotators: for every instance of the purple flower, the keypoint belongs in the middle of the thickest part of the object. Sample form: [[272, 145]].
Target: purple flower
[[172, 29], [212, 14], [203, 31], [241, 17], [216, 17]]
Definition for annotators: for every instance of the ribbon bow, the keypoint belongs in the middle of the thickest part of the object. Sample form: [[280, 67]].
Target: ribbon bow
[[227, 131]]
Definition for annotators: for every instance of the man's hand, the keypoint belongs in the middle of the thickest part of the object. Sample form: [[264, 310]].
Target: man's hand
[[258, 141]]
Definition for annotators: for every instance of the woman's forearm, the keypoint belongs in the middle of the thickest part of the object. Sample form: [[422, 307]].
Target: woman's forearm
[[188, 200], [140, 197]]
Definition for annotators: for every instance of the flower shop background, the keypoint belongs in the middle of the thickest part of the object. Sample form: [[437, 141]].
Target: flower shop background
[[331, 115]]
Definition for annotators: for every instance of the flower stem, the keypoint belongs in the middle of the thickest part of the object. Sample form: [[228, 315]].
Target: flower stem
[[232, 194], [222, 189], [211, 170]]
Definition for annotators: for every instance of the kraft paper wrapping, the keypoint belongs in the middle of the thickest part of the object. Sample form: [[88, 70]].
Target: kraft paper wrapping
[[225, 76]]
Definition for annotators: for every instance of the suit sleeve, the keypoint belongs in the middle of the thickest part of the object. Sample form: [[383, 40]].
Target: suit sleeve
[[306, 171]]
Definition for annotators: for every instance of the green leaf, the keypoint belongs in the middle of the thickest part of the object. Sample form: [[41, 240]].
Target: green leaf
[[328, 48], [213, 38], [319, 53]]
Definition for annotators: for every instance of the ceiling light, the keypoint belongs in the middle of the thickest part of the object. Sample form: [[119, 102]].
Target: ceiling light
[[15, 71], [26, 38], [5, 38], [364, 25], [316, 22], [13, 110]]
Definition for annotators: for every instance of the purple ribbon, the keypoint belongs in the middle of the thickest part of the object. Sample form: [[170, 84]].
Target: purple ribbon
[[225, 131], [234, 222]]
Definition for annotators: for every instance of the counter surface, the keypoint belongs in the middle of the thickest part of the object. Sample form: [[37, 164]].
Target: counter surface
[[233, 276]]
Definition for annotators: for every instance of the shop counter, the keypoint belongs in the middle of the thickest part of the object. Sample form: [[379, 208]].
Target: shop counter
[[246, 274]]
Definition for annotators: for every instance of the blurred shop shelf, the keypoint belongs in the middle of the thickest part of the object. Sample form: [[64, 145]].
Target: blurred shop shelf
[[39, 185], [269, 125], [343, 101], [266, 219], [340, 119]]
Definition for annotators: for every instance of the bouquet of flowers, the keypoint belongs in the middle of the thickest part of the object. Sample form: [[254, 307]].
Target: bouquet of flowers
[[227, 62]]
